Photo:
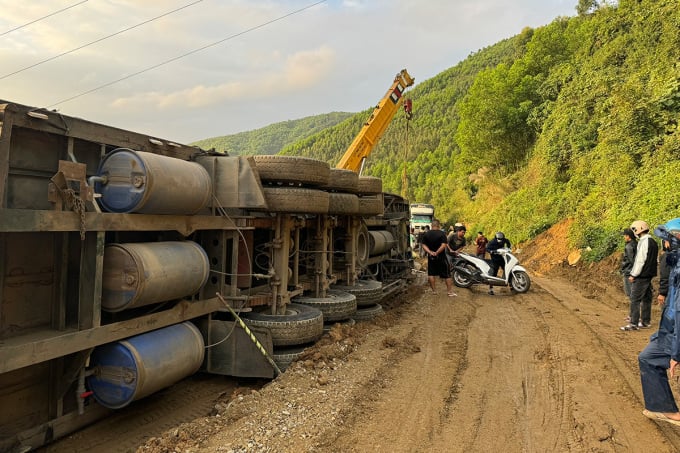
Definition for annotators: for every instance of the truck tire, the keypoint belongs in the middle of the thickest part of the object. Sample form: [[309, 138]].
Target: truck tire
[[283, 357], [292, 169], [296, 200], [343, 203], [371, 205], [342, 180], [336, 306], [368, 313], [299, 324], [367, 292], [327, 326], [369, 185]]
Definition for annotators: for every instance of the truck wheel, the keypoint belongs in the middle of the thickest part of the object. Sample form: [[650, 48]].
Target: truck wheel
[[336, 306], [368, 313], [342, 180], [299, 324], [294, 199], [327, 326], [283, 357], [367, 292], [371, 205], [343, 203], [369, 185], [292, 169]]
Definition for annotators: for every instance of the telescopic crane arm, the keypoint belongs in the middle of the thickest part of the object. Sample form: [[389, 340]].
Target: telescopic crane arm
[[373, 129]]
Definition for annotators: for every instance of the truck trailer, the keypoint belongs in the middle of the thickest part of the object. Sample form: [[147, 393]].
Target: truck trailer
[[129, 262]]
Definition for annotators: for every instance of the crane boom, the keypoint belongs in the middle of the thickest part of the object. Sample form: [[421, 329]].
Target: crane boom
[[376, 125]]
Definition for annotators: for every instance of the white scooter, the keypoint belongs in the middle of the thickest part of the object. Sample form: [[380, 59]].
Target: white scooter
[[468, 270]]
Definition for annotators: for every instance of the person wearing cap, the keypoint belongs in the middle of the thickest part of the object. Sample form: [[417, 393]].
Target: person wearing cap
[[628, 259], [662, 354], [641, 275]]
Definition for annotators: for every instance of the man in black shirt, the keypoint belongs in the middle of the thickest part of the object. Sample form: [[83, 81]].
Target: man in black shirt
[[434, 244]]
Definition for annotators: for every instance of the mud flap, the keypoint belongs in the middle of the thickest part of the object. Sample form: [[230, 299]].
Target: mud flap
[[234, 353]]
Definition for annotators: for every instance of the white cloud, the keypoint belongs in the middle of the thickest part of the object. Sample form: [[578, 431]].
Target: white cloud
[[337, 56], [302, 70]]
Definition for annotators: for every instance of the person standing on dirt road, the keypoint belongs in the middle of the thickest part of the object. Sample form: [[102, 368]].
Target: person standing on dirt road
[[480, 242], [663, 351], [627, 261], [497, 262], [434, 244], [641, 275], [455, 242], [419, 238]]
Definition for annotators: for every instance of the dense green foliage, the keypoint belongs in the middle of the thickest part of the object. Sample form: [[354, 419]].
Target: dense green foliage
[[577, 119], [273, 138]]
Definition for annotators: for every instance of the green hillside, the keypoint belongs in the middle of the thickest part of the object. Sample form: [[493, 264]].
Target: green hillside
[[577, 119], [271, 139]]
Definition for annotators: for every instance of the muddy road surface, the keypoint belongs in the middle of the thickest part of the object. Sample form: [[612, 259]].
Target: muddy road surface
[[548, 370]]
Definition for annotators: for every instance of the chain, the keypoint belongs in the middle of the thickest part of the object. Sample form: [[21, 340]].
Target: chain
[[77, 204]]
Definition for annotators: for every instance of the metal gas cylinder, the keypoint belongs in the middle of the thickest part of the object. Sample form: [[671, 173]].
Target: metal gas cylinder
[[138, 274], [381, 241], [148, 183], [131, 369]]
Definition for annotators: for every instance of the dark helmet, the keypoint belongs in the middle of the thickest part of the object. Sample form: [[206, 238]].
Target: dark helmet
[[500, 236]]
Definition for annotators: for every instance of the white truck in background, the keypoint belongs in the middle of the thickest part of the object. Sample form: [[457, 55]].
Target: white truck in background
[[421, 216]]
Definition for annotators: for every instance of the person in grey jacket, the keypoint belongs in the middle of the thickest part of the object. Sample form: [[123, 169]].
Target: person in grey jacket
[[641, 275]]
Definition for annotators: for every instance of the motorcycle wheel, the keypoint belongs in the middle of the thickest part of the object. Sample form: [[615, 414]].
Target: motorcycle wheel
[[520, 282], [460, 279]]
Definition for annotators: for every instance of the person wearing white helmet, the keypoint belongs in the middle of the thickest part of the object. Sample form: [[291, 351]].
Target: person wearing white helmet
[[640, 277], [662, 354]]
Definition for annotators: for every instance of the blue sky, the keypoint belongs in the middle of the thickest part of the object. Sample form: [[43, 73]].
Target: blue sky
[[262, 61]]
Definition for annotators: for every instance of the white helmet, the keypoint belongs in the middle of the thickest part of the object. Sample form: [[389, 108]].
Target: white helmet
[[639, 227]]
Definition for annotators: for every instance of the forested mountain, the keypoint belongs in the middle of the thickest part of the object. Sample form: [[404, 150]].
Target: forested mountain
[[273, 138], [577, 119]]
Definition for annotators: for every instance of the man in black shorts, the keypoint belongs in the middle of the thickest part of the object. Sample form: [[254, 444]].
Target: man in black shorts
[[434, 245]]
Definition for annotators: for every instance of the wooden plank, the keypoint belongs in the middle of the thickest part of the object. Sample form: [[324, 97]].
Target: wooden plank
[[21, 351], [28, 220]]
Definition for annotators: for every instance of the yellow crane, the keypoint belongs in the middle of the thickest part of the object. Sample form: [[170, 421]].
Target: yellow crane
[[373, 129]]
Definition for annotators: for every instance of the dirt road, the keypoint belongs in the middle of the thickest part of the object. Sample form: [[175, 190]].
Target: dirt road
[[548, 370]]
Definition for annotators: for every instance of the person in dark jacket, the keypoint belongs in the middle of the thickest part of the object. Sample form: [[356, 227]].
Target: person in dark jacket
[[641, 275], [664, 269], [498, 242], [627, 263], [662, 354], [628, 259]]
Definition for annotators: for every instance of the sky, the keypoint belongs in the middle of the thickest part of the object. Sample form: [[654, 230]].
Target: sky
[[185, 70]]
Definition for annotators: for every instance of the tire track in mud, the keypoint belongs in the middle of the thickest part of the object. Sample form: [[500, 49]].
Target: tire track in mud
[[622, 355], [408, 399]]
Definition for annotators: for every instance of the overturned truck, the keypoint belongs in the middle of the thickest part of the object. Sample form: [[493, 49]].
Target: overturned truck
[[128, 260]]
